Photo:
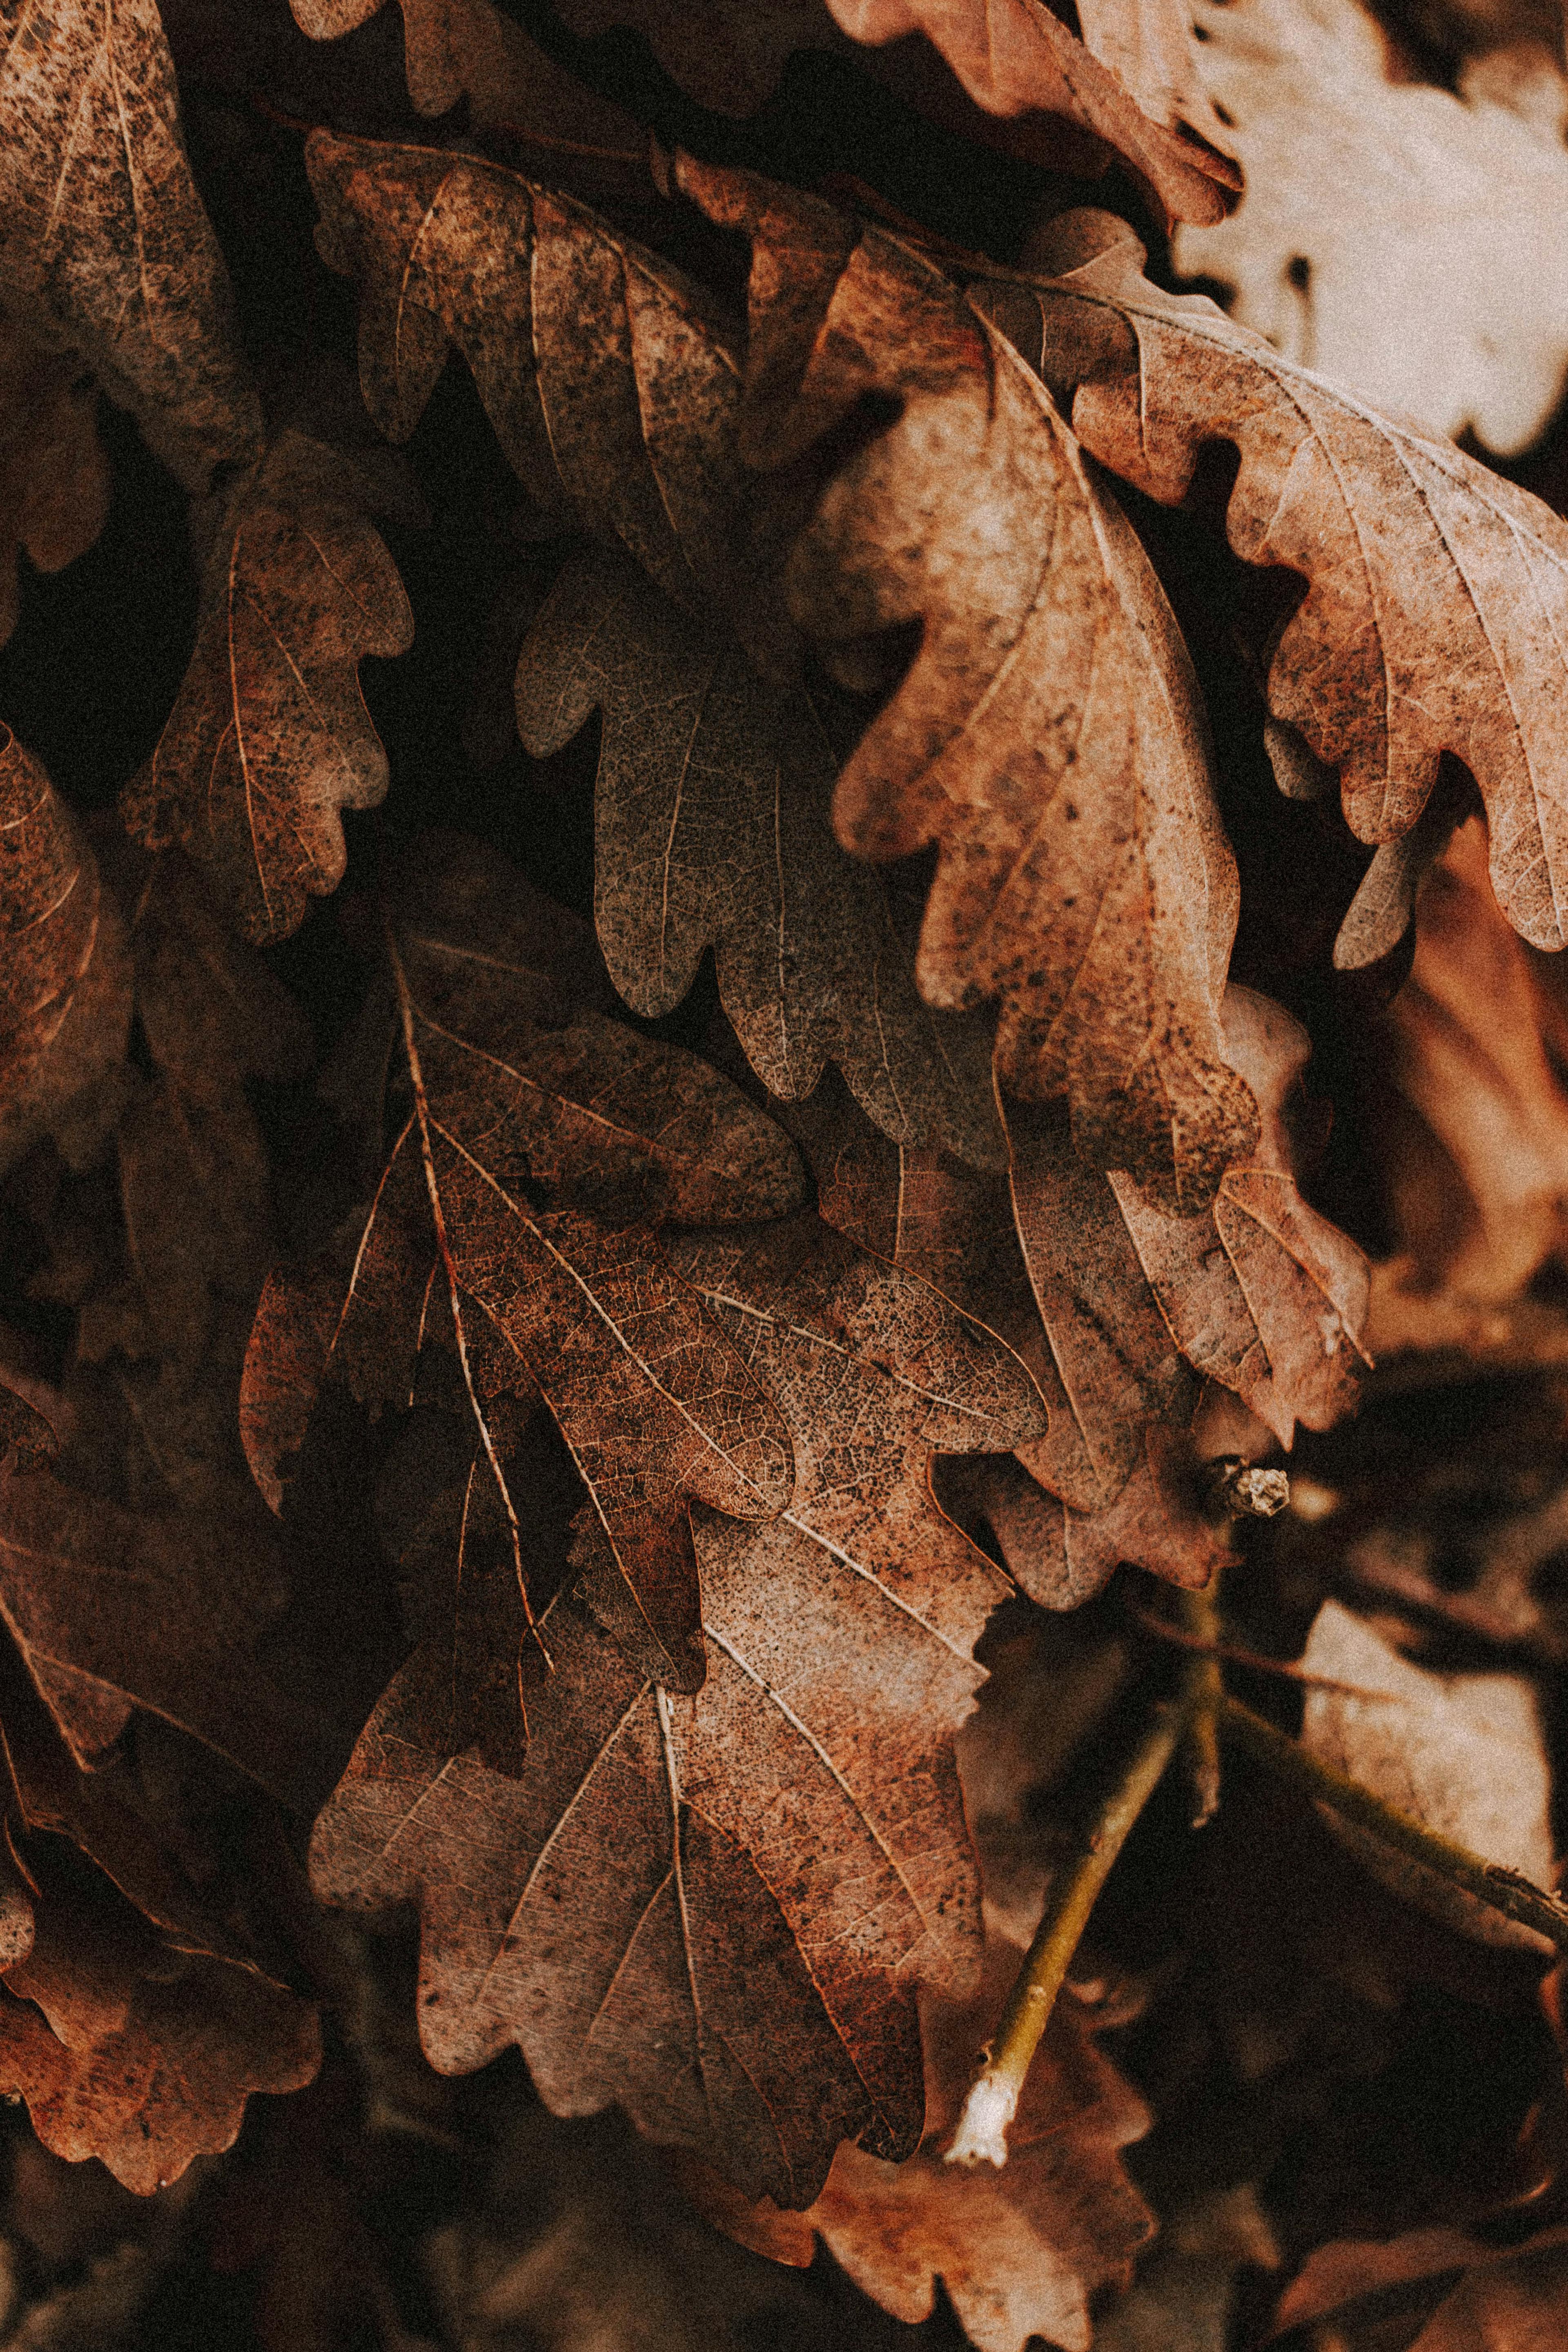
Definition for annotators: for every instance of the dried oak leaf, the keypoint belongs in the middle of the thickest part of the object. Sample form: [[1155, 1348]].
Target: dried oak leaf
[[1016, 56], [143, 2057], [165, 1610], [65, 1003], [1129, 88], [133, 2024], [616, 394], [1412, 254], [467, 49], [711, 829], [1117, 1308], [714, 1909], [534, 1144], [1435, 615], [1465, 1754], [1048, 737], [104, 246], [1019, 2251], [269, 741], [1433, 2290], [54, 476], [1469, 1116]]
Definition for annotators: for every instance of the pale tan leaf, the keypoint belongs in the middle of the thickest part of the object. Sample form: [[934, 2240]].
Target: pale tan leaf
[[1463, 1754], [1409, 249]]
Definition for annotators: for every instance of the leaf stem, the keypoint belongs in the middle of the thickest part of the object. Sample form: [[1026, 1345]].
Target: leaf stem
[[1200, 1618], [1491, 1883], [992, 2097]]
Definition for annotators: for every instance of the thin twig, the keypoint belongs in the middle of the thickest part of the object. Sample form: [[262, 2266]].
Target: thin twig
[[1257, 1661], [992, 2097], [1201, 1627], [1491, 1883]]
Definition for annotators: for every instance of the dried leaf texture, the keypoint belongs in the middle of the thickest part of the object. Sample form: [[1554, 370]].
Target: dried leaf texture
[[712, 828], [776, 1862], [1015, 57], [1020, 2250], [1465, 1754], [144, 2067], [1437, 610], [1048, 737], [1117, 1308], [1416, 261], [1470, 1112], [105, 246], [62, 950], [269, 741], [53, 476], [605, 371], [513, 1101], [615, 395]]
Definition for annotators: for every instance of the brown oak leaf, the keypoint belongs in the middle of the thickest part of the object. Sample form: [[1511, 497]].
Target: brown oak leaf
[[1433, 2290], [1129, 89], [111, 1607], [104, 245], [533, 1144], [789, 1854], [1436, 616], [1019, 2251], [65, 1000], [712, 820], [616, 394], [1464, 1754], [130, 2051], [1469, 1114], [1048, 737], [54, 476], [269, 741], [133, 2023], [1116, 1307]]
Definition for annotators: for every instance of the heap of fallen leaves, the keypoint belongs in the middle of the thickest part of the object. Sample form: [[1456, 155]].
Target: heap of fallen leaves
[[665, 1388]]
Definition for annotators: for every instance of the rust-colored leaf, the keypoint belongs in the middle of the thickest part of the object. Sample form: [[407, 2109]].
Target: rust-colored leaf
[[163, 1610], [104, 245], [132, 2022], [1021, 2251], [269, 741], [141, 2056], [54, 476], [1436, 616], [777, 1861], [530, 1154], [1048, 737]]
